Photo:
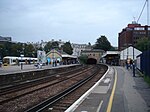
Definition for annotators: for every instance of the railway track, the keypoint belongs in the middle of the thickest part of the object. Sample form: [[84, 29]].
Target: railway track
[[30, 83], [60, 102], [7, 96], [44, 91]]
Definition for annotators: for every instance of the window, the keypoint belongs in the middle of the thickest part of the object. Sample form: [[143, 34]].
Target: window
[[139, 28]]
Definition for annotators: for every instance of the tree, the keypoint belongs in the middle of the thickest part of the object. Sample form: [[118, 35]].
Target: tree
[[51, 45], [16, 49], [113, 49], [89, 44], [143, 44], [55, 45], [48, 47], [29, 50], [102, 43], [83, 59], [2, 51], [67, 48]]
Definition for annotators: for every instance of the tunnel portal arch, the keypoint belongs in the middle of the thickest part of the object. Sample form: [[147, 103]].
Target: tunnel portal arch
[[91, 61]]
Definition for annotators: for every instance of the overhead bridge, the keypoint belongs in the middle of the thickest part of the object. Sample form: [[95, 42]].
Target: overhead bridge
[[93, 55]]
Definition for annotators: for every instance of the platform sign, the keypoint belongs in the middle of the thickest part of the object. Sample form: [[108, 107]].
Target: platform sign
[[41, 56]]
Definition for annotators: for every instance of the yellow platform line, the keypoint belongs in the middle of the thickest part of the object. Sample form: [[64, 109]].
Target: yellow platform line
[[112, 93]]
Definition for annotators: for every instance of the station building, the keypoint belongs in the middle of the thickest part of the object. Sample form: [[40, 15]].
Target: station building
[[60, 57], [111, 58]]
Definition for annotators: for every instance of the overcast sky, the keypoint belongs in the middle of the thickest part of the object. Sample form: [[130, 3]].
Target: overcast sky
[[80, 21]]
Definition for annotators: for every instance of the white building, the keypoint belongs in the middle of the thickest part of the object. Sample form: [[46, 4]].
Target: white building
[[42, 44], [77, 48], [128, 54]]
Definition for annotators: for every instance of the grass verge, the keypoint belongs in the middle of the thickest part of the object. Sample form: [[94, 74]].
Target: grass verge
[[147, 79]]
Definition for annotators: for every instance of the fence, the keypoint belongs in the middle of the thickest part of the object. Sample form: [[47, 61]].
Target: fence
[[145, 62]]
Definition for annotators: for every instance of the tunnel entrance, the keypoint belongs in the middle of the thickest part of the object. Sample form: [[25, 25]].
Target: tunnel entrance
[[91, 61]]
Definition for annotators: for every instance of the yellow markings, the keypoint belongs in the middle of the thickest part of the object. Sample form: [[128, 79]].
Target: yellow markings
[[112, 93]]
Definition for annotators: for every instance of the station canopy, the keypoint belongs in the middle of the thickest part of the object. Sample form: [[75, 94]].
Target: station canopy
[[109, 53], [68, 56]]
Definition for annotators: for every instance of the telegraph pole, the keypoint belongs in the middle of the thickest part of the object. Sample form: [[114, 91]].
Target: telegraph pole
[[146, 2], [147, 12], [133, 63]]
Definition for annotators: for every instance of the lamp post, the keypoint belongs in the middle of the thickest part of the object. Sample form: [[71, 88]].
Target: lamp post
[[133, 63], [22, 55], [53, 58], [21, 61]]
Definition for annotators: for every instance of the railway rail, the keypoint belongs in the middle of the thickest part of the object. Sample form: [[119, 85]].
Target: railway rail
[[33, 86], [59, 86], [29, 83]]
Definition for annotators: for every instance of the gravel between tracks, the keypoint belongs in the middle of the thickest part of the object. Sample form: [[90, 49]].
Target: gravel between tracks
[[29, 100]]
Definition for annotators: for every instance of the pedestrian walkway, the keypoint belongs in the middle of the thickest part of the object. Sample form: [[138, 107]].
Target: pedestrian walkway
[[140, 91], [132, 94]]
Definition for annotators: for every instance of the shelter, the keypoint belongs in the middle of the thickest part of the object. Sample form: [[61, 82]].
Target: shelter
[[69, 59], [111, 57], [128, 53]]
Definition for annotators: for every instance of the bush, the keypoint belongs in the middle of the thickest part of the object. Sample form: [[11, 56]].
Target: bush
[[83, 59]]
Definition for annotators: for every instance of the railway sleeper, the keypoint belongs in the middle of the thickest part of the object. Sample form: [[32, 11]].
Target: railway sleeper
[[67, 102], [61, 105], [60, 108]]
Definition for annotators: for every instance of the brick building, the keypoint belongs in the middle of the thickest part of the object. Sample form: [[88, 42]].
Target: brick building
[[131, 34]]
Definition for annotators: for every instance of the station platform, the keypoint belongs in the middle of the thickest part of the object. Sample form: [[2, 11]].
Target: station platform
[[17, 69], [10, 75], [117, 91]]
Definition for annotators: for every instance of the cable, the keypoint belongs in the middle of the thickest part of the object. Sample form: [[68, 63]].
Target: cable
[[147, 13], [141, 11]]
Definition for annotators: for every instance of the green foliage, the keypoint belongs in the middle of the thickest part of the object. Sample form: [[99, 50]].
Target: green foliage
[[55, 44], [28, 50], [83, 59], [16, 49], [102, 43], [143, 44], [67, 48], [147, 79], [48, 47], [51, 45], [112, 48]]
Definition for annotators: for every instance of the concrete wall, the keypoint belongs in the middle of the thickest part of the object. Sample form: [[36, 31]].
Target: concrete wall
[[30, 75]]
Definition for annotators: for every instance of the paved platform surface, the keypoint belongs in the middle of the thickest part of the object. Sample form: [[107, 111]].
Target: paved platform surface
[[132, 94]]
